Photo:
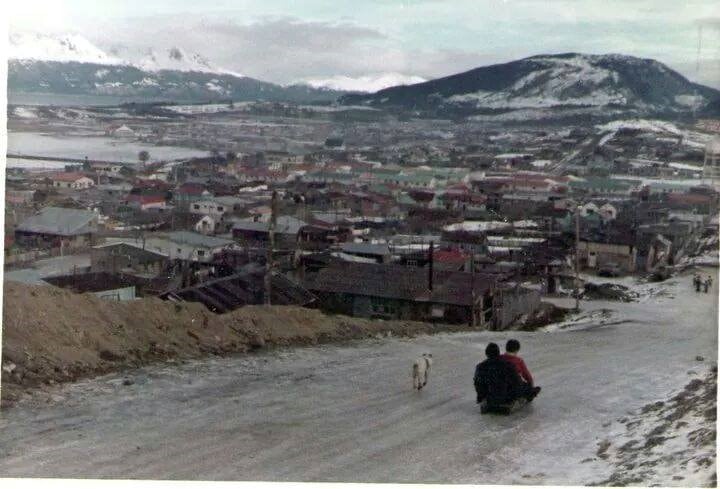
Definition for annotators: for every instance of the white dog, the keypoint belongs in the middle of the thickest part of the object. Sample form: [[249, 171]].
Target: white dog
[[421, 370]]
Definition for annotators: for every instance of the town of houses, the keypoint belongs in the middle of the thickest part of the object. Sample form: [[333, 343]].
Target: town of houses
[[431, 224]]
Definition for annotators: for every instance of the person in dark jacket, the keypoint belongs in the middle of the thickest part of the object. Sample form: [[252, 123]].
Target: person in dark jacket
[[497, 381]]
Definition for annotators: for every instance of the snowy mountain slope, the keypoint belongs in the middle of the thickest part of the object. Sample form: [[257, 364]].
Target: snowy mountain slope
[[563, 81], [72, 65], [553, 81], [368, 83], [133, 83], [68, 47], [174, 58], [75, 47]]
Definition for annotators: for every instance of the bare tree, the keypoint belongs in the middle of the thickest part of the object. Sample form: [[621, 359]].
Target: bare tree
[[143, 156]]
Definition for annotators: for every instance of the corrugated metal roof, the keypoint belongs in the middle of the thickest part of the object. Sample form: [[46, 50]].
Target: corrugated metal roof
[[198, 240], [284, 225], [399, 282], [366, 248], [60, 221]]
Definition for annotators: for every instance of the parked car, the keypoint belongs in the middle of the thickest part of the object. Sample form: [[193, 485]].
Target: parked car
[[662, 273], [610, 270]]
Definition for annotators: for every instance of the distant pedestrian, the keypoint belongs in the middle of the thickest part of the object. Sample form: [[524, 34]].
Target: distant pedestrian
[[706, 285], [697, 282]]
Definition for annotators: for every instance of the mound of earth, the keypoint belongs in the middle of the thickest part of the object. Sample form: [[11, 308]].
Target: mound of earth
[[546, 314], [53, 335], [608, 292]]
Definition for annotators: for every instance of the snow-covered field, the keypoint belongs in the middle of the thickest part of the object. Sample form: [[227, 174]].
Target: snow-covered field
[[207, 108], [99, 148], [690, 138], [348, 412], [34, 165], [194, 109]]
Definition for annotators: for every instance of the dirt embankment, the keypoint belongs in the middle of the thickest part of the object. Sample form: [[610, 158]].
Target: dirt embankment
[[51, 335], [608, 292]]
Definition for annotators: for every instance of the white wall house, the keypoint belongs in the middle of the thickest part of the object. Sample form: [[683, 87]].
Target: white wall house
[[278, 160], [206, 225], [186, 245], [72, 180], [108, 169], [123, 132], [607, 211], [209, 208]]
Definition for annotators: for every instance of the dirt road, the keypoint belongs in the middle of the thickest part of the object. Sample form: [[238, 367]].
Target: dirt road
[[348, 413]]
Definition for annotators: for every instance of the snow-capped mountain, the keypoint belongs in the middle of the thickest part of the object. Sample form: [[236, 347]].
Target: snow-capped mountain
[[367, 83], [173, 58], [563, 81], [74, 47], [72, 65], [67, 47], [131, 83]]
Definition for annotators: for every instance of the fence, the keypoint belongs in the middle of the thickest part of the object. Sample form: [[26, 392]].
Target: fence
[[514, 303], [13, 259]]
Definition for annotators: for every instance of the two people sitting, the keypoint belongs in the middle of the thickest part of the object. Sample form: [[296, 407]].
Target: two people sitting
[[502, 379]]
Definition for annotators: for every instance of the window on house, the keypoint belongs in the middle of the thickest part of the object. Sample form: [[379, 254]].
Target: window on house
[[380, 307], [179, 250], [201, 253], [197, 206], [221, 208]]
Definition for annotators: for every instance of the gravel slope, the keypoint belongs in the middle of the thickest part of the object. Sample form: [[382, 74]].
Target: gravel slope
[[52, 335]]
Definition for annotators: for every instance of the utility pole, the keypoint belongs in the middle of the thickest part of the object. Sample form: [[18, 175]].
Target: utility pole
[[473, 310], [271, 245], [431, 263], [577, 258]]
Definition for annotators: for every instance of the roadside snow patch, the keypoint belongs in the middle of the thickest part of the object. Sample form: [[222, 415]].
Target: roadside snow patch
[[24, 113], [667, 443]]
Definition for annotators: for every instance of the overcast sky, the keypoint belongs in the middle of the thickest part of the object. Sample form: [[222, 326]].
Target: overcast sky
[[285, 41]]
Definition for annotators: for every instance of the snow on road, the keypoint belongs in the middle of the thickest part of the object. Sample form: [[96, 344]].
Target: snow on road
[[348, 413]]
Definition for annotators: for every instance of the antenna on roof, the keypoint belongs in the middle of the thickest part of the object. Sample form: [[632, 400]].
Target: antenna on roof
[[699, 48]]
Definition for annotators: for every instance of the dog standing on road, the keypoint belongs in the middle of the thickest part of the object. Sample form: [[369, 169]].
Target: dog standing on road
[[421, 370]]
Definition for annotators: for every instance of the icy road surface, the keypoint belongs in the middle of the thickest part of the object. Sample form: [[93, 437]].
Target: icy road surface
[[348, 413]]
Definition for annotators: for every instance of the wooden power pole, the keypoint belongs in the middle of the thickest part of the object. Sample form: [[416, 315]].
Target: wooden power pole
[[577, 258], [473, 308], [270, 265]]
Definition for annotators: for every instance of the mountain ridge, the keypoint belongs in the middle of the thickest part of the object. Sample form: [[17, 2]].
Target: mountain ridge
[[137, 84], [539, 86], [566, 80], [69, 64]]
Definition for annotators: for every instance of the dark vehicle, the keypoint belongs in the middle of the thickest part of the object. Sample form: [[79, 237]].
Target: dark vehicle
[[662, 273], [610, 270]]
